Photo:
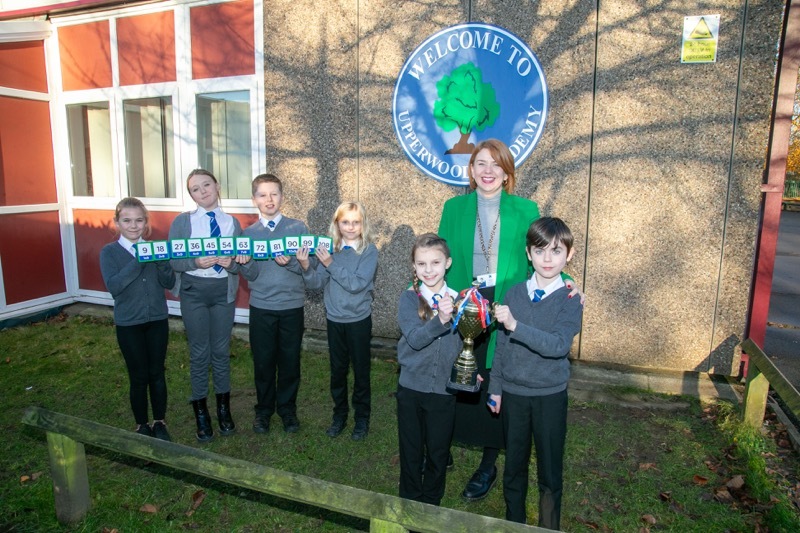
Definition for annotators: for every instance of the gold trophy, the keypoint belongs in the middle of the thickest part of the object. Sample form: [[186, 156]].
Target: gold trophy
[[464, 375]]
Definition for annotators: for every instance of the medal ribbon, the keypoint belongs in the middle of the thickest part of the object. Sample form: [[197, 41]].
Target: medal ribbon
[[472, 295]]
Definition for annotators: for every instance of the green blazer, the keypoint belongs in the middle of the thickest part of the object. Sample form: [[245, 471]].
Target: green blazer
[[457, 227]]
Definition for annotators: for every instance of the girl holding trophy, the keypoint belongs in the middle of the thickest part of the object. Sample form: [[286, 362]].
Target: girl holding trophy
[[426, 352]]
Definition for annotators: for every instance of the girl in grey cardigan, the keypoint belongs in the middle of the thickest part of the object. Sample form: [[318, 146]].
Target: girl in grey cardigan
[[426, 352], [140, 314]]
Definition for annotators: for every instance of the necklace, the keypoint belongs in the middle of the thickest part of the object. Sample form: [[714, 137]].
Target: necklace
[[491, 237]]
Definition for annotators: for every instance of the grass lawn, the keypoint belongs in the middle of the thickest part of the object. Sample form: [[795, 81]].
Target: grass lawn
[[683, 466]]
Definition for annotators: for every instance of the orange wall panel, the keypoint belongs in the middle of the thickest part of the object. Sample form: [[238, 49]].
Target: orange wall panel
[[31, 253], [222, 40], [146, 48], [27, 172], [95, 228], [85, 55], [22, 66]]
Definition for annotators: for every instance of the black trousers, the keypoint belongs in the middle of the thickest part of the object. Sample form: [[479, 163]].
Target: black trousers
[[545, 419], [144, 348], [349, 344], [275, 340], [424, 426]]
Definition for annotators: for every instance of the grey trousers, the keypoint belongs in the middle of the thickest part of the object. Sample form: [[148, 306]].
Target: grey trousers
[[208, 320]]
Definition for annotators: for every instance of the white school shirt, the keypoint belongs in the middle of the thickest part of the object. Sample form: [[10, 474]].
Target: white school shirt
[[265, 222], [201, 228], [429, 294], [550, 289], [128, 245]]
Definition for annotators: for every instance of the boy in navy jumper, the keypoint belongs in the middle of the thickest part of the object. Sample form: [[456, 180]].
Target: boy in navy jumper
[[277, 299], [528, 385]]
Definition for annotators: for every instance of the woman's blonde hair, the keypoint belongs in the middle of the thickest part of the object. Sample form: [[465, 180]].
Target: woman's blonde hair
[[366, 234]]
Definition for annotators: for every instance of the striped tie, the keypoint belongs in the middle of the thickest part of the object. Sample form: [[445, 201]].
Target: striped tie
[[537, 295], [214, 233]]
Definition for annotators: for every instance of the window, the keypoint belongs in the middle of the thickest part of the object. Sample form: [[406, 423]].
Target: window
[[89, 132], [150, 155], [223, 140]]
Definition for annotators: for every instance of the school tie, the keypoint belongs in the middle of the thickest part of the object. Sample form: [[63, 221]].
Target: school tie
[[537, 295], [214, 233], [271, 225], [347, 247]]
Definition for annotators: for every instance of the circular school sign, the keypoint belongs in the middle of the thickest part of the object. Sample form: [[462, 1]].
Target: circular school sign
[[465, 84]]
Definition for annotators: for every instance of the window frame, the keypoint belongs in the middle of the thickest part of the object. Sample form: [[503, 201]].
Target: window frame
[[183, 93]]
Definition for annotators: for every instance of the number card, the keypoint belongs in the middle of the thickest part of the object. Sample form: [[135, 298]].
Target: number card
[[308, 241], [260, 249], [178, 249], [325, 242], [195, 247], [276, 247], [160, 250], [291, 245], [210, 246], [226, 246], [144, 251], [243, 246]]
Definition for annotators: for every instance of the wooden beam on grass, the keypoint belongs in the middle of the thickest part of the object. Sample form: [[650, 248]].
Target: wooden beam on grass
[[386, 513]]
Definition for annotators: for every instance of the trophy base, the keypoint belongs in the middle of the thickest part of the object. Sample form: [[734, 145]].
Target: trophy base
[[466, 387]]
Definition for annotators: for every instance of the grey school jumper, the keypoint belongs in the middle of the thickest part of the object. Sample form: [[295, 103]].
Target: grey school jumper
[[274, 287], [427, 348], [532, 360], [348, 282]]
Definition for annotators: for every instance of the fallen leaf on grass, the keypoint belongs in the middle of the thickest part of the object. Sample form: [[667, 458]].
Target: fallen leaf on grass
[[723, 496], [394, 460], [24, 478], [110, 530], [587, 523], [35, 476], [647, 466], [735, 483], [649, 519], [665, 496], [197, 499], [148, 508], [699, 480]]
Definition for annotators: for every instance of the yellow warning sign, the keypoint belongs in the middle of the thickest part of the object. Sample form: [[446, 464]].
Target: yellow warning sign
[[700, 38], [701, 31]]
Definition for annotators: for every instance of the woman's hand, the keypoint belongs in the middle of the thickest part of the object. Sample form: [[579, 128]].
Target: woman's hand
[[575, 291], [242, 259], [282, 260], [494, 403]]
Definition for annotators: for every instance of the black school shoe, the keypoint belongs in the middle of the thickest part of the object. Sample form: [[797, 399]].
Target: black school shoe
[[160, 431], [144, 429], [337, 426], [361, 429], [479, 485], [261, 425], [291, 424]]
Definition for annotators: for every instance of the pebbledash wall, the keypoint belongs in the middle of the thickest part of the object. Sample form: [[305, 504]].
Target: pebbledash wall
[[656, 165]]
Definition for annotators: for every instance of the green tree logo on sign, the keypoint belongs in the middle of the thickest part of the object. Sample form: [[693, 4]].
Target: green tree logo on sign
[[466, 103]]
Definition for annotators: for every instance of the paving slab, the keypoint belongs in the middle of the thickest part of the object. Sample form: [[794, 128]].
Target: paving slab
[[782, 346]]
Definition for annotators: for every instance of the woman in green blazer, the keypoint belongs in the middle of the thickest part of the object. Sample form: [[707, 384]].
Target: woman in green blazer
[[486, 230]]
